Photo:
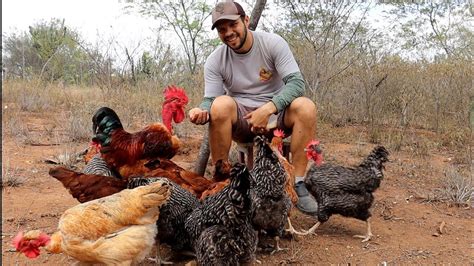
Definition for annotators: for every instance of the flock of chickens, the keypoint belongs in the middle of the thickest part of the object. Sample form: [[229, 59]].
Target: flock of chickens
[[134, 196]]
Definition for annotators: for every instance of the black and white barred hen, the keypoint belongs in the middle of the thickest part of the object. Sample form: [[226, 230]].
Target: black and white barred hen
[[271, 204], [218, 245], [98, 166], [230, 208], [346, 190], [173, 214]]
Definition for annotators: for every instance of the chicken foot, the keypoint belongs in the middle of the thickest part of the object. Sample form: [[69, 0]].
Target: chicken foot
[[292, 230], [277, 247], [310, 231], [369, 234], [157, 260]]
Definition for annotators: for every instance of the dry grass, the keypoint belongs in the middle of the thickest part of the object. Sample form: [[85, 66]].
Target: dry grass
[[11, 175], [458, 189], [13, 125]]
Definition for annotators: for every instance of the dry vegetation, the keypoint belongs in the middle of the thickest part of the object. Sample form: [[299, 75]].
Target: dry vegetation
[[418, 108], [430, 170], [368, 91]]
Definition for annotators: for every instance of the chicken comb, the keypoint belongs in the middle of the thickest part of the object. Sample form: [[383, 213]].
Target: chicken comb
[[314, 152], [174, 92], [16, 240], [312, 143], [278, 133]]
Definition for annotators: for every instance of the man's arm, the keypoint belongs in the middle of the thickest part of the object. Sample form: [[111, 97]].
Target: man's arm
[[206, 103], [213, 87], [294, 88]]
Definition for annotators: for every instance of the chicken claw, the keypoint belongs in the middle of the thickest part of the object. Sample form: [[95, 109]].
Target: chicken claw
[[369, 234]]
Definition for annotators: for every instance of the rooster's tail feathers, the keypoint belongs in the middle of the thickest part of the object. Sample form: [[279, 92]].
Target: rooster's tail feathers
[[105, 120]]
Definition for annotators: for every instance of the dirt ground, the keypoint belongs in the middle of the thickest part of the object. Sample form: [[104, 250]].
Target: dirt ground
[[409, 228]]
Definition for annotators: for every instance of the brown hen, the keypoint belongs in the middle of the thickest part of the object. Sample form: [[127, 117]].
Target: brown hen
[[116, 230]]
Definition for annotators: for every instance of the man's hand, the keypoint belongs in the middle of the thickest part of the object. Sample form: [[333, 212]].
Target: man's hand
[[258, 119], [198, 116]]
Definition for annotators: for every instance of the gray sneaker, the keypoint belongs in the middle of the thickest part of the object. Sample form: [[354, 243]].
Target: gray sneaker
[[306, 202]]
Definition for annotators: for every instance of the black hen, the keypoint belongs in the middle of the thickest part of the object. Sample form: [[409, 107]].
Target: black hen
[[173, 214], [347, 190], [230, 209], [270, 202]]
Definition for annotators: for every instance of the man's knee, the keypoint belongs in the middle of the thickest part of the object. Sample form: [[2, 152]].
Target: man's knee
[[223, 108], [303, 108]]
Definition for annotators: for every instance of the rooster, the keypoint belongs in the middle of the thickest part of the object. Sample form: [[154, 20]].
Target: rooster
[[345, 190], [85, 187], [277, 146], [173, 106], [270, 203], [229, 208], [118, 229], [120, 148]]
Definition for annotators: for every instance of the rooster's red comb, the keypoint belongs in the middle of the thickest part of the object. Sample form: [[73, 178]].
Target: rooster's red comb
[[173, 91], [313, 143], [278, 133]]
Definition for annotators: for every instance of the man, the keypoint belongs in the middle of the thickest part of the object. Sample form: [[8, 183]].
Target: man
[[249, 81]]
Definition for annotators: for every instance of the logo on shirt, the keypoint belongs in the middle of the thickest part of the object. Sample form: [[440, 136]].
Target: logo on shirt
[[265, 75]]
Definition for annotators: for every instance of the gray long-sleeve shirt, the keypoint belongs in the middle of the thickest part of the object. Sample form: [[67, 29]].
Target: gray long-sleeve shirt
[[268, 72]]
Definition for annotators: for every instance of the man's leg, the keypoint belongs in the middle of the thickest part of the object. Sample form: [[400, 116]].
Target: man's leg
[[223, 115], [301, 117]]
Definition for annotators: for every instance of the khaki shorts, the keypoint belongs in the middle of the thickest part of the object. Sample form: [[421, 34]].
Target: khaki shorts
[[241, 129]]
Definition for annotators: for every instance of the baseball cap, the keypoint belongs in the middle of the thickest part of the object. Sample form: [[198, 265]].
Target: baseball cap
[[226, 10]]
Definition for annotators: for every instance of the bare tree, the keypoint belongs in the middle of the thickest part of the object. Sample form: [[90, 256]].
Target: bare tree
[[256, 13], [185, 18]]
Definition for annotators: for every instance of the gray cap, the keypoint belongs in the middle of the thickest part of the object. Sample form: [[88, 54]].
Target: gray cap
[[226, 10]]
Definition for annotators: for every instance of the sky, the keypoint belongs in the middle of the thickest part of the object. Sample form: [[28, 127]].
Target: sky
[[93, 19], [104, 20]]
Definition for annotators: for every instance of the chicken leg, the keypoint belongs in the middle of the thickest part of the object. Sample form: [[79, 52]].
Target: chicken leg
[[157, 260], [310, 231], [369, 234], [277, 247], [292, 230]]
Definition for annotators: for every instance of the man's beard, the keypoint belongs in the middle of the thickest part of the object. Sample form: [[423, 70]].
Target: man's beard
[[241, 43]]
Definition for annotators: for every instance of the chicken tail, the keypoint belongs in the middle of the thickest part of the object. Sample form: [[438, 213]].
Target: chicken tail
[[241, 178], [104, 122], [86, 187], [376, 158], [64, 175], [222, 170], [154, 194]]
